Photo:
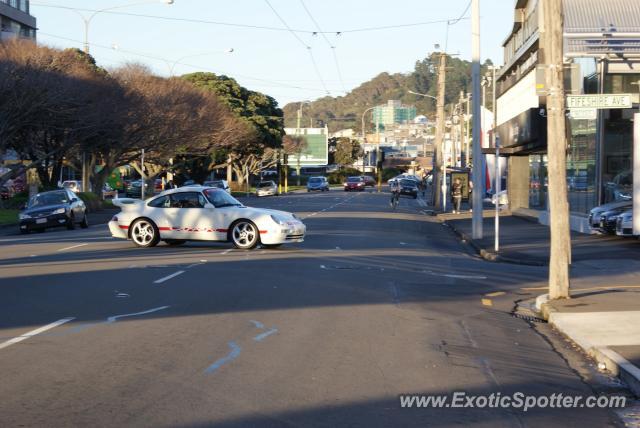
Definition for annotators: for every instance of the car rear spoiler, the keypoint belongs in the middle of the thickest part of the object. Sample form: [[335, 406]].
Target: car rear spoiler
[[124, 203]]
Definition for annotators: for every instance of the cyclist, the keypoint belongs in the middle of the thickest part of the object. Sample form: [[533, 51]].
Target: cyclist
[[395, 193]]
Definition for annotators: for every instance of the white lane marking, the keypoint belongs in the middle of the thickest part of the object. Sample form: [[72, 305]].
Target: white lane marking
[[168, 277], [450, 275], [121, 295], [227, 251], [34, 332], [262, 336], [72, 247], [115, 317], [194, 264]]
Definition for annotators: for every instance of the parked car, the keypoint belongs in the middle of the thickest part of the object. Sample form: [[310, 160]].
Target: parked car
[[408, 187], [74, 185], [354, 183], [6, 192], [595, 213], [220, 184], [369, 181], [109, 192], [266, 188], [134, 188], [624, 224], [621, 187], [204, 214], [608, 220], [53, 209], [317, 183], [189, 183]]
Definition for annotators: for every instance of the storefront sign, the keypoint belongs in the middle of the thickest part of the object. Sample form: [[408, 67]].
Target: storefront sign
[[599, 101], [583, 113]]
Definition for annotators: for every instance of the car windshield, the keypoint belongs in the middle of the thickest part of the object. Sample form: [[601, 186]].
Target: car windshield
[[53, 198], [354, 179], [407, 182], [221, 199], [315, 180], [265, 184]]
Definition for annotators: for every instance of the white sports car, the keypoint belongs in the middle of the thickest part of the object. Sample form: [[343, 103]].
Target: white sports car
[[202, 214]]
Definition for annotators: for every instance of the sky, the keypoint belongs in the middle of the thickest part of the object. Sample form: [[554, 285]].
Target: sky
[[273, 46]]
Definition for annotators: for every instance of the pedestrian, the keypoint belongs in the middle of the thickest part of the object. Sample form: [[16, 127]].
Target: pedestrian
[[456, 192]]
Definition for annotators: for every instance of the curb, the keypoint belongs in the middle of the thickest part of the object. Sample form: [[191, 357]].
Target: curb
[[606, 358], [490, 256]]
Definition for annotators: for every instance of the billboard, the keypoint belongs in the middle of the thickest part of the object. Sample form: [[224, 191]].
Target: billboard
[[316, 152]]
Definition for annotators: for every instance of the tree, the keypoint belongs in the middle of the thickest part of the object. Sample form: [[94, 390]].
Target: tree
[[260, 114], [50, 104], [347, 151]]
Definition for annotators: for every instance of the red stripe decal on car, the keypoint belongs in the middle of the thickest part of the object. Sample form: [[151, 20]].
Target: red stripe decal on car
[[222, 230], [164, 228], [263, 231], [123, 227]]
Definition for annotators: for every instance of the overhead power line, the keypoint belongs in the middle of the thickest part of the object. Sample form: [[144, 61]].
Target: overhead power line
[[249, 26], [273, 83], [326, 39], [306, 46]]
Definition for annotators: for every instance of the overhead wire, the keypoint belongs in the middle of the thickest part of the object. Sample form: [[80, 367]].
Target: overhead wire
[[326, 39], [305, 45], [248, 26], [273, 83]]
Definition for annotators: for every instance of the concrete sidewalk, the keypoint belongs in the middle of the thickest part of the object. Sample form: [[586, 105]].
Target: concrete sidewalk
[[526, 242], [603, 314], [605, 324]]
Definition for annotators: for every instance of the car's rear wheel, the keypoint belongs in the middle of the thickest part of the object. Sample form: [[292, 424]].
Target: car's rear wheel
[[244, 235], [144, 233], [174, 242], [71, 223]]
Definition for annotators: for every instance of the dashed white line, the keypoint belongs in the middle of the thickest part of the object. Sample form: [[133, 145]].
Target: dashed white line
[[227, 251], [168, 277], [72, 247], [34, 332], [114, 318]]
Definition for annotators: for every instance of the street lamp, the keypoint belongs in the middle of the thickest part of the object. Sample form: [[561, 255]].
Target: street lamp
[[423, 95], [87, 20]]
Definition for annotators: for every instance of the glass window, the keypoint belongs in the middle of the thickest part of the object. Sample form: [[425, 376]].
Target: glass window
[[161, 202], [616, 162], [220, 198], [538, 182], [187, 200], [581, 165]]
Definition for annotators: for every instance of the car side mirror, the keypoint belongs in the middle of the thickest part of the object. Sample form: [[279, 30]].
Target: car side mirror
[[73, 200]]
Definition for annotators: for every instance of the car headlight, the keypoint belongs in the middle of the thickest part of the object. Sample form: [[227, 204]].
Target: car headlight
[[60, 211], [279, 219], [23, 216]]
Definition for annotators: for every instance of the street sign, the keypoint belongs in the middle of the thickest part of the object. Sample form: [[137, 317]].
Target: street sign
[[583, 113], [599, 101]]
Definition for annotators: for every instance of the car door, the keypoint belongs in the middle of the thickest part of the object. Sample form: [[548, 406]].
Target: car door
[[193, 219], [75, 205]]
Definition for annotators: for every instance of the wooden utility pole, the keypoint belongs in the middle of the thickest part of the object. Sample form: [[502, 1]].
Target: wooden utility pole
[[552, 58], [438, 152]]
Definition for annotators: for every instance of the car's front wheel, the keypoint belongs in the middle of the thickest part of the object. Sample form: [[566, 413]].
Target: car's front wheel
[[144, 233], [85, 221], [244, 235]]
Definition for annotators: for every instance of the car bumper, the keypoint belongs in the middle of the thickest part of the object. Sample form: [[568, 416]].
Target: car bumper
[[349, 188], [409, 192], [282, 234], [118, 230], [311, 189], [54, 220], [265, 193]]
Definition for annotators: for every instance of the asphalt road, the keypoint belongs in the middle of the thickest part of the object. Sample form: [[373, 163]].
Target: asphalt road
[[374, 304]]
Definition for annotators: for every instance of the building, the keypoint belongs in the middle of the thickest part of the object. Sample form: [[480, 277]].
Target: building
[[15, 20], [602, 56], [316, 150], [393, 113]]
